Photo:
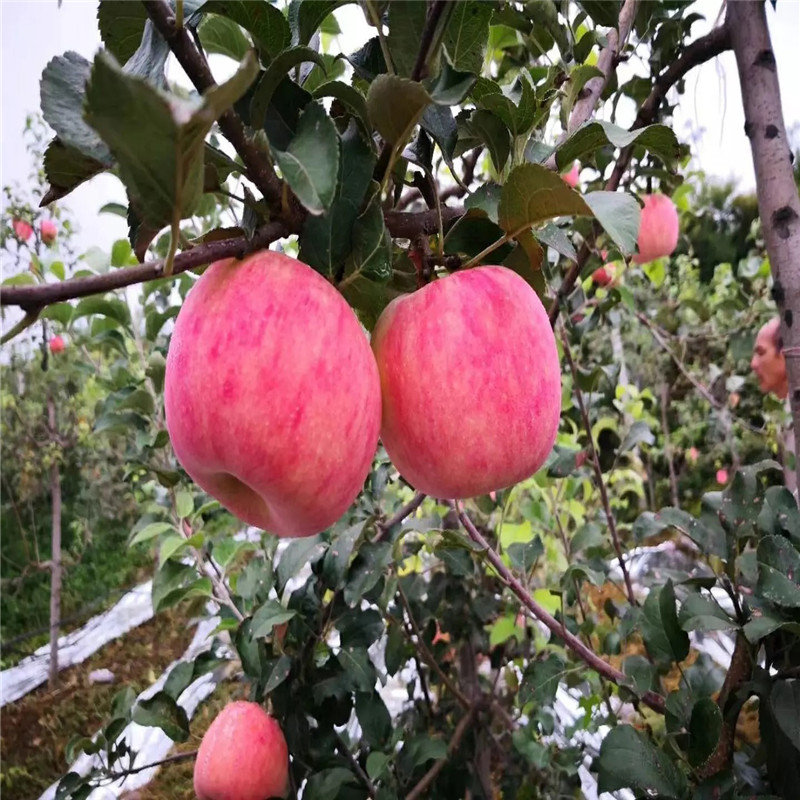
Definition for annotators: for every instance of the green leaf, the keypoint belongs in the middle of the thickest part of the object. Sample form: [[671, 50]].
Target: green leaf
[[641, 672], [784, 701], [579, 76], [174, 582], [421, 749], [395, 106], [711, 540], [327, 239], [450, 87], [278, 674], [406, 24], [660, 629], [111, 307], [66, 168], [372, 246], [359, 628], [264, 22], [170, 546], [374, 718], [628, 760], [60, 312], [151, 531], [328, 784], [534, 194], [184, 503], [540, 680], [161, 164], [311, 164], [269, 615], [486, 198], [297, 554], [701, 613], [660, 140], [705, 727], [337, 558], [366, 570], [376, 764], [223, 36], [467, 35], [524, 556], [619, 214], [306, 16], [121, 26], [161, 711], [779, 571], [352, 98], [274, 76], [63, 91], [488, 129]]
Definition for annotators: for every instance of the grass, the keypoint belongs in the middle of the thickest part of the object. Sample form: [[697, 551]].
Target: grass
[[36, 729]]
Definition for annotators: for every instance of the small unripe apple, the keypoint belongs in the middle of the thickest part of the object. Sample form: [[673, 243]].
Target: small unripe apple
[[243, 756], [57, 344], [22, 229], [48, 231], [471, 383], [658, 229], [272, 394], [572, 177]]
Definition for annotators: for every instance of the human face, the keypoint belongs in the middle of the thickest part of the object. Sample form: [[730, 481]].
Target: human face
[[768, 363]]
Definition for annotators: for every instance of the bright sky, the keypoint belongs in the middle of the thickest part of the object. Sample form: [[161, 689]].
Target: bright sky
[[33, 31]]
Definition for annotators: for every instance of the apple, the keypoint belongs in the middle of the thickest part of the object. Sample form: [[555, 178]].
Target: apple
[[48, 231], [602, 276], [722, 476], [243, 756], [692, 454], [658, 230], [57, 345], [573, 176], [471, 383], [272, 395], [22, 229]]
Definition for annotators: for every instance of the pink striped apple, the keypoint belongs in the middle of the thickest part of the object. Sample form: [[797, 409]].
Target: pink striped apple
[[658, 230], [471, 383], [57, 345], [243, 756], [272, 394], [48, 231], [572, 178], [22, 229]]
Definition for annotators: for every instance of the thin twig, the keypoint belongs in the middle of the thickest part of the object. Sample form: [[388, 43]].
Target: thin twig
[[430, 776], [362, 776], [601, 484], [173, 759], [409, 508], [196, 67], [33, 297], [586, 654]]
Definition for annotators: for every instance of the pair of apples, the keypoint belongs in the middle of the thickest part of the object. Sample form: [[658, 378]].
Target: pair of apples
[[275, 400]]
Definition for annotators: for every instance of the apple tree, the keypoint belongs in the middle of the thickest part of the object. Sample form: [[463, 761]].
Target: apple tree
[[459, 136]]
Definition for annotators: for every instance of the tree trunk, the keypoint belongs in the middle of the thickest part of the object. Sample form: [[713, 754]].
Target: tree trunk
[[778, 201], [55, 558]]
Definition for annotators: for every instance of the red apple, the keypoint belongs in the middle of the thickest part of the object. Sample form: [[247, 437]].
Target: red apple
[[57, 344], [48, 231], [573, 176], [243, 756], [722, 476], [658, 230], [471, 383], [22, 229], [692, 454], [272, 395], [602, 276]]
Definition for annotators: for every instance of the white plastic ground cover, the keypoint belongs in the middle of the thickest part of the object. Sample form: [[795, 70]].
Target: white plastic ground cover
[[152, 744], [133, 609]]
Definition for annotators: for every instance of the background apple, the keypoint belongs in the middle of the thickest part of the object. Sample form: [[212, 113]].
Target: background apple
[[22, 229], [658, 230], [57, 344], [243, 756], [602, 276], [573, 176], [272, 395], [48, 231], [471, 383]]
